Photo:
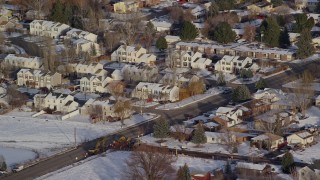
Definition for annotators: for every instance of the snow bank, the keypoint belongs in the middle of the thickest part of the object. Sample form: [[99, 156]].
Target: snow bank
[[14, 156]]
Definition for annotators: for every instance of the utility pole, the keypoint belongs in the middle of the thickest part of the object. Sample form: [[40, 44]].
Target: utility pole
[[75, 137]]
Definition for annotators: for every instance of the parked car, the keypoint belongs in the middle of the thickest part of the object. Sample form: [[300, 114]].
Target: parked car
[[18, 168]]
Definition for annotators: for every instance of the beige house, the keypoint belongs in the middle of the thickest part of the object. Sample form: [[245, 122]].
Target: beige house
[[268, 141], [38, 78], [155, 91], [132, 54], [126, 7], [301, 138], [55, 101], [306, 173], [260, 7], [233, 64], [188, 59], [48, 28], [138, 73], [22, 61], [87, 69]]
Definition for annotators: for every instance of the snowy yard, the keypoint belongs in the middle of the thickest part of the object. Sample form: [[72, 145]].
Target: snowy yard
[[112, 166], [145, 104], [15, 156], [47, 135], [297, 84], [209, 93], [309, 154], [313, 114]]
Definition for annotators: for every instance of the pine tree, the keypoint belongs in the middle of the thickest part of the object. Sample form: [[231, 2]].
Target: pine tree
[[3, 164], [223, 33], [199, 136], [161, 43], [184, 173], [161, 129], [213, 10], [221, 79], [261, 84], [241, 93], [305, 47], [271, 32], [93, 50], [302, 22], [58, 14], [225, 4], [188, 32], [287, 162], [244, 73], [285, 39]]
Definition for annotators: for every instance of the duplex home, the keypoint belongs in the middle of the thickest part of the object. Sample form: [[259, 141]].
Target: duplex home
[[132, 54], [302, 138], [126, 7], [38, 78], [228, 116], [93, 83], [251, 50], [80, 69], [155, 91], [83, 45], [22, 61], [233, 64], [139, 72], [55, 101], [188, 59], [104, 108], [48, 28]]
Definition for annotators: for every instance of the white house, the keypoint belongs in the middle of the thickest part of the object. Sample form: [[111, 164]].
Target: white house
[[132, 54], [219, 138], [38, 78], [140, 73], [83, 45], [172, 39], [303, 138], [228, 116], [233, 64], [178, 79], [87, 69], [155, 91], [161, 25], [55, 101], [188, 59], [23, 61], [80, 34], [48, 28]]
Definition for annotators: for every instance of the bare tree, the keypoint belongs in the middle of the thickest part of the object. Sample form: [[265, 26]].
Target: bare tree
[[150, 163], [39, 6], [96, 112], [6, 69], [196, 87], [15, 98], [117, 89], [111, 39], [123, 109], [301, 99], [230, 140], [130, 29], [249, 33]]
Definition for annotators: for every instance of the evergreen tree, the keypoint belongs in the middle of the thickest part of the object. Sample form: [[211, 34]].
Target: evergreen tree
[[199, 136], [305, 47], [223, 33], [271, 32], [241, 93], [213, 10], [277, 2], [3, 164], [184, 173], [58, 14], [161, 129], [287, 162], [261, 84], [93, 50], [244, 73], [221, 79], [302, 22], [225, 4], [188, 32], [285, 39], [161, 43]]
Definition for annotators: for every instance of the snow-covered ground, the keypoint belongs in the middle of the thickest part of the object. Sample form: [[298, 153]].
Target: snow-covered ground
[[14, 156], [48, 136], [297, 84], [311, 58], [145, 104], [209, 93], [208, 75], [309, 154], [254, 79], [113, 165], [313, 114]]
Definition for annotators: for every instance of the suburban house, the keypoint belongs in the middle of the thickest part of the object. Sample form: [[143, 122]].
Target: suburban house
[[48, 28], [38, 78], [80, 34], [196, 10], [257, 107], [172, 39], [155, 91], [11, 24], [92, 83], [269, 95], [189, 59], [126, 7], [261, 171], [83, 45], [180, 80], [267, 141], [238, 49], [302, 138], [181, 132], [161, 25], [55, 101], [228, 116], [317, 101], [87, 69], [219, 138], [233, 64], [139, 72], [132, 54], [273, 120], [307, 173], [22, 61], [261, 7]]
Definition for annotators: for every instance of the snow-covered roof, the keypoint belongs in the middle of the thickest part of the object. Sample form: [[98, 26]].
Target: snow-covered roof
[[211, 124], [216, 135], [267, 136], [252, 166], [303, 134]]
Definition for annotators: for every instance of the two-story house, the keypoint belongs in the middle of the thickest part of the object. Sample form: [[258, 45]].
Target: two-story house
[[233, 64], [196, 10], [38, 78], [81, 70], [273, 120], [139, 72], [80, 34], [21, 61], [155, 91], [228, 116], [132, 54], [267, 141], [48, 28], [188, 59], [55, 101], [126, 7]]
